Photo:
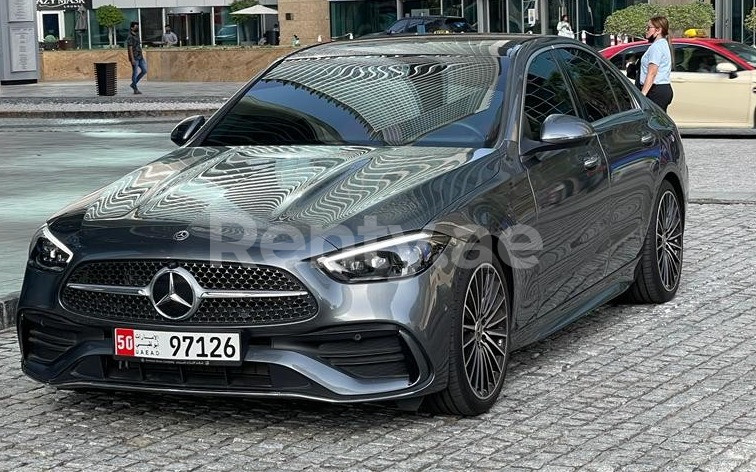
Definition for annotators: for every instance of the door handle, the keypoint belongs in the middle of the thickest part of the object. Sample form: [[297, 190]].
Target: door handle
[[591, 162], [648, 139]]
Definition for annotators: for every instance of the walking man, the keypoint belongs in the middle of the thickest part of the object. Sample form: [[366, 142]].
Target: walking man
[[138, 64]]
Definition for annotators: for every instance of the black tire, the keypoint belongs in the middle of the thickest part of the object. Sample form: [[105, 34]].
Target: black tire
[[657, 276], [472, 395]]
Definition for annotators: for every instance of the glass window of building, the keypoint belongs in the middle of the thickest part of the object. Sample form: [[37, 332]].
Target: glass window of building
[[422, 7], [99, 33], [152, 26], [361, 17]]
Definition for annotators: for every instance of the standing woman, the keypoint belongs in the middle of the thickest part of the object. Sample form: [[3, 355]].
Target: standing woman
[[564, 29], [656, 64]]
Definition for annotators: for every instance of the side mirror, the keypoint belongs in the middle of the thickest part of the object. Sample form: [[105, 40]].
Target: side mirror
[[565, 129], [188, 127], [559, 132], [727, 68]]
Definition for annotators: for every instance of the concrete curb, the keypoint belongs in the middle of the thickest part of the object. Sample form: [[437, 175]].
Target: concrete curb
[[8, 306], [175, 113]]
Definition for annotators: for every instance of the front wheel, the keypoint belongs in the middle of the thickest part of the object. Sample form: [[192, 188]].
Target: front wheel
[[479, 349], [658, 274]]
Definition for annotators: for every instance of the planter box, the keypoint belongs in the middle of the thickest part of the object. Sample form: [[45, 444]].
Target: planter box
[[165, 64]]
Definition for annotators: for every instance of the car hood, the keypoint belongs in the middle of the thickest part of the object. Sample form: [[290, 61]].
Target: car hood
[[337, 193]]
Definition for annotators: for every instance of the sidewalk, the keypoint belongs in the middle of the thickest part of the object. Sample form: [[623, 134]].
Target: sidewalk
[[80, 99]]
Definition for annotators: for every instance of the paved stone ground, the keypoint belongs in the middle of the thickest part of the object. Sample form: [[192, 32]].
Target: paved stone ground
[[632, 388]]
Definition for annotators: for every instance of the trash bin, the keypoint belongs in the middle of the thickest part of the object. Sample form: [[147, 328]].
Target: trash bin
[[105, 78]]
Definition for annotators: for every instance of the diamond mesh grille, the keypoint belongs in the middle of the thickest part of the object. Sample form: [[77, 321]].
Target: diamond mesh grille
[[210, 275]]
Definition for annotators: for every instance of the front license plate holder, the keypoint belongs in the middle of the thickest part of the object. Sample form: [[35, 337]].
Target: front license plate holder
[[177, 347]]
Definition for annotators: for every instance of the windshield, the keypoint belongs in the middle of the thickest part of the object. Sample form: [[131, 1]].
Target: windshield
[[370, 100], [747, 53]]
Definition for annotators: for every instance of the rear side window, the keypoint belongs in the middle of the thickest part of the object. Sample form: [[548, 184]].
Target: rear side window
[[631, 54], [590, 83], [619, 89], [546, 93]]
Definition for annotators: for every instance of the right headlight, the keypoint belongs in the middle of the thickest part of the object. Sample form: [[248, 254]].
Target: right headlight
[[48, 252], [401, 256]]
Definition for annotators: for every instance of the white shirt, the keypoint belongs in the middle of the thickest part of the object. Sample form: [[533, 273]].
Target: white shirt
[[658, 53], [564, 29]]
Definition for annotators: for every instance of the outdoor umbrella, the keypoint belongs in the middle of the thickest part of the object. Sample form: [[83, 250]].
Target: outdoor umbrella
[[257, 10]]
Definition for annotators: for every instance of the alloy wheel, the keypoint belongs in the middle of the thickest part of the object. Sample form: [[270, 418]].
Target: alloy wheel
[[485, 331], [669, 245]]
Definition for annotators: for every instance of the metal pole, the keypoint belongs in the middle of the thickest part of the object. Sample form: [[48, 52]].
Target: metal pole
[[543, 7]]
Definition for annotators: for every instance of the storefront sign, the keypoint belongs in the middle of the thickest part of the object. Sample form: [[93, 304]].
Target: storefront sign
[[20, 10], [63, 4], [23, 49]]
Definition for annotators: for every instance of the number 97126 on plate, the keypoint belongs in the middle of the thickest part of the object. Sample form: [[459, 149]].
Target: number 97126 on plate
[[177, 346]]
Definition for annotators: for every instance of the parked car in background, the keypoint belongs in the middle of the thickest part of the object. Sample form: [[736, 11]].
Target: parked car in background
[[227, 35], [392, 239], [427, 25], [714, 81]]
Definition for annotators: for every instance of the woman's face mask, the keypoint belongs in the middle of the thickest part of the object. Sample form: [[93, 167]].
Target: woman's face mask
[[651, 33]]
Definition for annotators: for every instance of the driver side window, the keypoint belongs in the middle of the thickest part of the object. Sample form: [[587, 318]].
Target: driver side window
[[546, 93], [698, 59]]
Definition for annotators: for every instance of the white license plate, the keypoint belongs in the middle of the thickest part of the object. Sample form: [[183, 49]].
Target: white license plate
[[178, 346]]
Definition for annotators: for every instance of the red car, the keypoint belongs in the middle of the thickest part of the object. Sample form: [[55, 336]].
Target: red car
[[714, 80]]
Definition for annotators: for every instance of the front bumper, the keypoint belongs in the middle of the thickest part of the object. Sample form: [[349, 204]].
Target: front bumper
[[376, 341]]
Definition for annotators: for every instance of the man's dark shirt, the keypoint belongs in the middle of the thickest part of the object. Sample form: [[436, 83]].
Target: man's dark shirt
[[136, 45]]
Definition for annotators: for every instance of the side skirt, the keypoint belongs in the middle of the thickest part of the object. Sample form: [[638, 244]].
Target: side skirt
[[606, 290]]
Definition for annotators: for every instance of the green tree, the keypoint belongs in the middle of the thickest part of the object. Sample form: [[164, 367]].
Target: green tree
[[110, 16], [696, 15], [750, 23], [632, 20]]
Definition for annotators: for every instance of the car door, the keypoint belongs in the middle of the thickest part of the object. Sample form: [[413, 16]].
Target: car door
[[704, 97], [630, 145], [569, 185]]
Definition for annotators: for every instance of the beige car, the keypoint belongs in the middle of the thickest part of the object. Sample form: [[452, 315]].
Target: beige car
[[714, 81]]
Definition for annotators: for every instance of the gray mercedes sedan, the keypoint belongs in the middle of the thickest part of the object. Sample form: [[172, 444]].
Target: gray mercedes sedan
[[383, 219]]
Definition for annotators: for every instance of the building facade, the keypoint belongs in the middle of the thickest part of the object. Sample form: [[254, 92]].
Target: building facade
[[208, 22]]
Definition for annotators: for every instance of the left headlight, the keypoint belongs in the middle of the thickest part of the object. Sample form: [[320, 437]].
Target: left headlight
[[396, 257], [47, 252]]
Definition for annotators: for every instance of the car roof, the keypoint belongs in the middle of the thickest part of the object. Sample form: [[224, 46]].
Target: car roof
[[708, 41], [468, 44]]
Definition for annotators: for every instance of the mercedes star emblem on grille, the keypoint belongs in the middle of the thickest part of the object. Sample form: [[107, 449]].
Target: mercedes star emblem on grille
[[174, 293], [181, 235]]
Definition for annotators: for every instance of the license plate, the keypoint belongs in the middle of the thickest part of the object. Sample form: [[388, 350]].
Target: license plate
[[177, 346]]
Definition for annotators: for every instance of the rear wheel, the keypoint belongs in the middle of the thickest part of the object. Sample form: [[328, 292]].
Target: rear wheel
[[658, 274], [479, 350]]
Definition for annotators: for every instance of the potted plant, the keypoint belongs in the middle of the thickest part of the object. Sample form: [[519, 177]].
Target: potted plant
[[66, 44]]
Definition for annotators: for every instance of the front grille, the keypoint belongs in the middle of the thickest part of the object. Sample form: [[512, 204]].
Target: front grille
[[210, 276]]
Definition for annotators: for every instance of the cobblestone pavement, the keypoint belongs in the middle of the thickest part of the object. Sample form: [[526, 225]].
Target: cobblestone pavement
[[635, 388]]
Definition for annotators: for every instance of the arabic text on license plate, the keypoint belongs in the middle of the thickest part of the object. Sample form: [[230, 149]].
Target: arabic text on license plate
[[178, 346]]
